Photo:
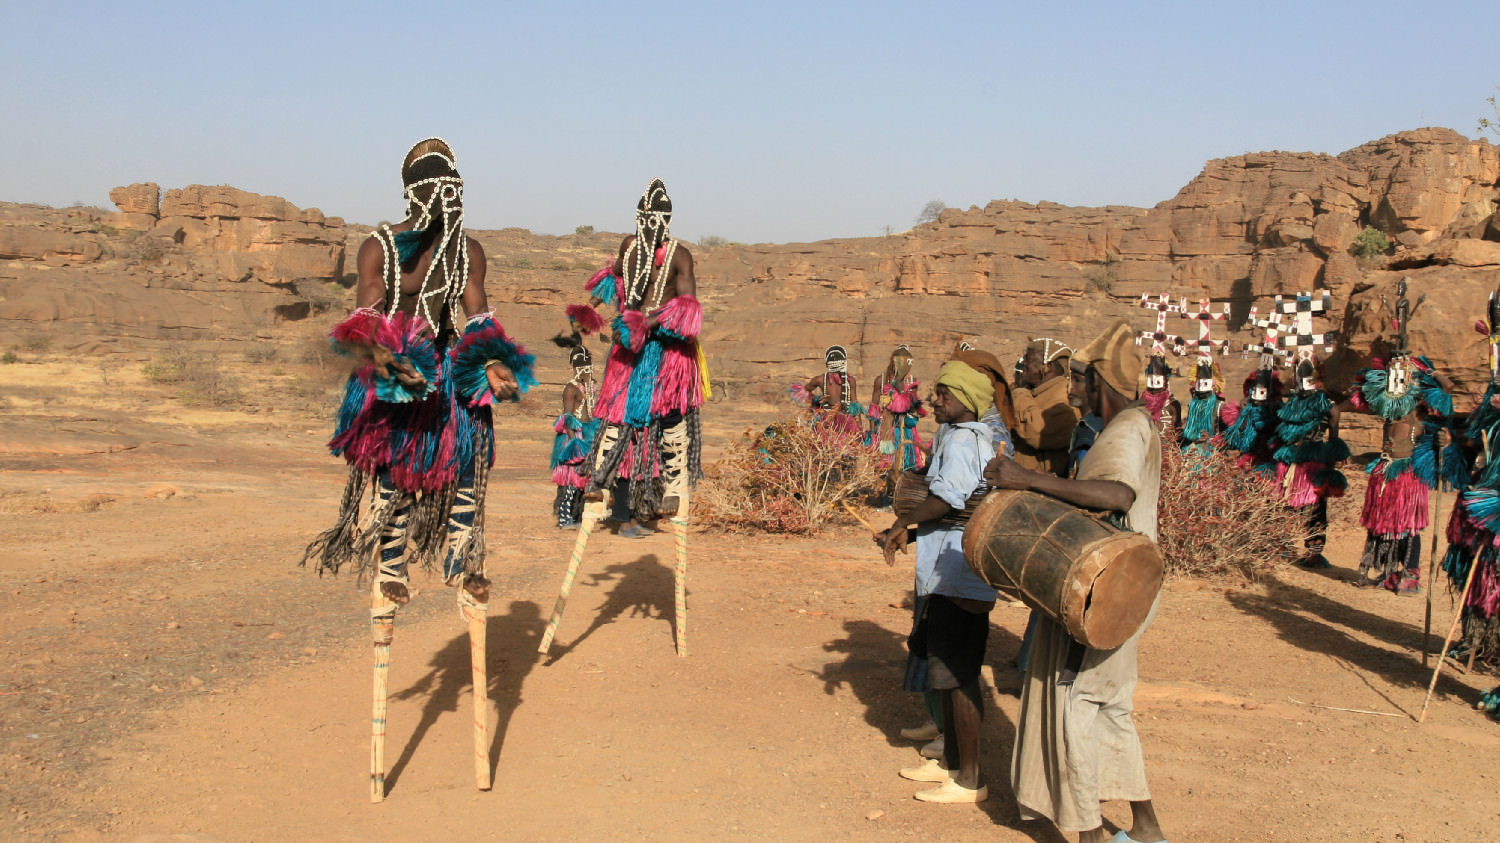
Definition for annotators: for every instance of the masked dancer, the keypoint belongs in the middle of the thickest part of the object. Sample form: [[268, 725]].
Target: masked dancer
[[895, 406], [1474, 528], [574, 431], [831, 395], [1308, 447], [646, 455], [415, 422], [1413, 400], [1165, 409]]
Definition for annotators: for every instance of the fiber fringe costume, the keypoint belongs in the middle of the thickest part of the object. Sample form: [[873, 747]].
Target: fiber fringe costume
[[1208, 414], [834, 398], [1307, 454], [419, 447], [898, 403], [1396, 505], [1253, 431], [1164, 409], [421, 458], [575, 433], [1474, 528], [654, 383]]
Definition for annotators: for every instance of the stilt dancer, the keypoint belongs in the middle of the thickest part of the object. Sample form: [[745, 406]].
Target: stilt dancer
[[646, 456], [415, 423]]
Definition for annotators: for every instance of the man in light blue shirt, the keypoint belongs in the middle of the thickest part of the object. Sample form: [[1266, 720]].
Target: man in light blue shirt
[[952, 627]]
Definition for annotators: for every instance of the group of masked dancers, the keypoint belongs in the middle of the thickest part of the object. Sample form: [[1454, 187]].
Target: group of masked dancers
[[1085, 426]]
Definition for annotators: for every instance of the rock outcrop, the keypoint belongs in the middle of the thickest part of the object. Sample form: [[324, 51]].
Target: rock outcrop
[[1248, 228]]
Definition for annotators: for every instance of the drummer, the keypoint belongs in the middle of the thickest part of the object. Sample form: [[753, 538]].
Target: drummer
[[952, 622], [1075, 743]]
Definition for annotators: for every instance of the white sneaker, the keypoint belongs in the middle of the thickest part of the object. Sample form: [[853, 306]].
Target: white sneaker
[[952, 791], [931, 770], [932, 749], [925, 732]]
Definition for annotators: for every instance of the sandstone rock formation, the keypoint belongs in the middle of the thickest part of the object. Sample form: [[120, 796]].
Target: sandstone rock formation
[[1248, 228]]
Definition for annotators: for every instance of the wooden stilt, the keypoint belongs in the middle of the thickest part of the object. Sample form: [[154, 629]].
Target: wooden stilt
[[593, 513], [1452, 629], [477, 616], [382, 627], [1432, 565], [679, 528]]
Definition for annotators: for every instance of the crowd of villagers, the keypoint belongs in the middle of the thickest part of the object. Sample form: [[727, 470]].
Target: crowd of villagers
[[1284, 430]]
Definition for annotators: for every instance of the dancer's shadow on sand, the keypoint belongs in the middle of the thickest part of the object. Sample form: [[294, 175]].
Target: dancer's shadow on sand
[[873, 666], [1308, 620], [644, 588], [510, 647]]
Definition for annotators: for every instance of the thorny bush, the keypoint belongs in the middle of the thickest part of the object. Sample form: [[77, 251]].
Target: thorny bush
[[790, 478], [1217, 519]]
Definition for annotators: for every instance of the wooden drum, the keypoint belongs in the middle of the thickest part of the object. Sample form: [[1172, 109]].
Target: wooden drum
[[1092, 578], [911, 489]]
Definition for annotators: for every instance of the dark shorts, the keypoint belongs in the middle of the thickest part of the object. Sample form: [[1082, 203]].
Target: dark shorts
[[951, 639]]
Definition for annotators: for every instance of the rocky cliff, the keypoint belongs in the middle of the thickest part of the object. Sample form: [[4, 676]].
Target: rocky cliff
[[217, 262]]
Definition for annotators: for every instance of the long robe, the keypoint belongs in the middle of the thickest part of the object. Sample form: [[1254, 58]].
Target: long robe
[[1076, 745]]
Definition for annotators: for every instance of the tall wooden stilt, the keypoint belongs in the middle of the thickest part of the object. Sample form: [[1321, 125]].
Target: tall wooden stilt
[[679, 529], [382, 627], [593, 513], [477, 616]]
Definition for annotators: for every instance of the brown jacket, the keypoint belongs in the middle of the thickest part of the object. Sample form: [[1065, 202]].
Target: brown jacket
[[1044, 426]]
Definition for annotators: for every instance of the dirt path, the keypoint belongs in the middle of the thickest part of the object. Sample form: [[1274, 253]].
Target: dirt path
[[172, 675]]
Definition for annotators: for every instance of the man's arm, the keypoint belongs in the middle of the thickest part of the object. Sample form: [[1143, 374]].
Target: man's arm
[[501, 379], [572, 397], [370, 289], [1099, 495]]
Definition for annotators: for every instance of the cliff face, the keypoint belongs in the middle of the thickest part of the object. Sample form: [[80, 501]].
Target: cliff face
[[215, 261]]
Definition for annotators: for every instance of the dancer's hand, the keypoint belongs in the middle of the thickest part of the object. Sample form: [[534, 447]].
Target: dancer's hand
[[387, 366], [502, 380]]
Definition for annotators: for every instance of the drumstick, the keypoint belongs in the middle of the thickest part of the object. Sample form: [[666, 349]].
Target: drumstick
[[857, 517]]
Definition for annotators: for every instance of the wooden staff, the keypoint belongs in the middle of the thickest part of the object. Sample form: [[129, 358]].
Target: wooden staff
[[679, 528], [868, 525], [477, 616], [593, 513], [1452, 630], [383, 628], [1432, 558]]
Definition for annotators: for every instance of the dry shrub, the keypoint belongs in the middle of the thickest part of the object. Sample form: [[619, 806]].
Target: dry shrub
[[1217, 519], [789, 478]]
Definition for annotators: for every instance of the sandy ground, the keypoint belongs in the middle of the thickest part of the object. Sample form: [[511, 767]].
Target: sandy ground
[[171, 674]]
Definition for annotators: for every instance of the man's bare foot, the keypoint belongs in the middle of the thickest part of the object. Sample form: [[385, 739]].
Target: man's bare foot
[[668, 507], [478, 587], [395, 592]]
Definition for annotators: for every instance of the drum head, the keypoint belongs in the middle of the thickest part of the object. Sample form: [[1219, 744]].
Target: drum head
[[1121, 596]]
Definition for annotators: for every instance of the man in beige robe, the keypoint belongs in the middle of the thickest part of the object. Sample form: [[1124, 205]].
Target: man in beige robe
[[1076, 744]]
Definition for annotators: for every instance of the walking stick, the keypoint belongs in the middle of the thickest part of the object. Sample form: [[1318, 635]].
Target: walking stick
[[477, 616], [1437, 496], [593, 513], [1452, 629], [679, 527], [383, 627]]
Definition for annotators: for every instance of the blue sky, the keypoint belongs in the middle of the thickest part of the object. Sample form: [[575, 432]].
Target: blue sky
[[769, 121]]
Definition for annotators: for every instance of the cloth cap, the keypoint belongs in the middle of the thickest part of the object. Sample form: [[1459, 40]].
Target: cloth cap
[[973, 388], [1114, 356]]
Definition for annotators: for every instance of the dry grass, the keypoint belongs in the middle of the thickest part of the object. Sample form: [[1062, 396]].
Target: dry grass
[[1218, 520], [790, 478]]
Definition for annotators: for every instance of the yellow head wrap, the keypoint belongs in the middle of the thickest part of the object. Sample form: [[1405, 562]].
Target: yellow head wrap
[[972, 387]]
